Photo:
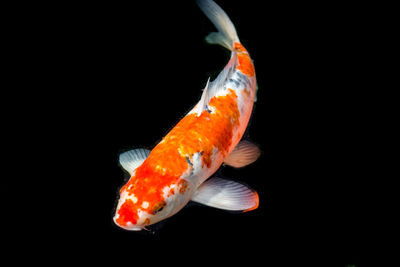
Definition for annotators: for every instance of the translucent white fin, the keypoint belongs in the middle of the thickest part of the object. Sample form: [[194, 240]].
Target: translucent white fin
[[213, 88], [255, 96], [243, 154], [132, 159], [219, 39], [225, 194], [226, 35], [225, 74], [204, 97]]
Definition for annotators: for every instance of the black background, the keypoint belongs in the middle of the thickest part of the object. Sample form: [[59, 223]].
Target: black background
[[104, 78]]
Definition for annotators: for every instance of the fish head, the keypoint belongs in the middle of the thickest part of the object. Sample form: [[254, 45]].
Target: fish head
[[151, 195], [136, 211]]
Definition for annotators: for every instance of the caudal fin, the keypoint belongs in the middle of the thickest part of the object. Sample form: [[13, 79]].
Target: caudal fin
[[226, 35]]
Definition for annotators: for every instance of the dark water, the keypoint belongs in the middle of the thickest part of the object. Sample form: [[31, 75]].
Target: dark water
[[112, 77]]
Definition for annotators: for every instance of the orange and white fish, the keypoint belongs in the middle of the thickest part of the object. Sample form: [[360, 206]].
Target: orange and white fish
[[178, 169]]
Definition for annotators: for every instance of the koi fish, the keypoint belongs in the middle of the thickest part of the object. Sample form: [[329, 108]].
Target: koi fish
[[178, 169]]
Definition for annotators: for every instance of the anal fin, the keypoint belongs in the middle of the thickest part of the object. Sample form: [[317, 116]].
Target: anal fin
[[226, 194], [243, 154]]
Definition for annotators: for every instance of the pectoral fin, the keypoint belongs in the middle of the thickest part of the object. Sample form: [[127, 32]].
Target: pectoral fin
[[243, 154], [132, 159], [226, 194]]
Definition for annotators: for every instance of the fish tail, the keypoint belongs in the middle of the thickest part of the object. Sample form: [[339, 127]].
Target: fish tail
[[226, 35]]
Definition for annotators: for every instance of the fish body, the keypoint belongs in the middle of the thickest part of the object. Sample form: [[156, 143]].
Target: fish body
[[166, 178]]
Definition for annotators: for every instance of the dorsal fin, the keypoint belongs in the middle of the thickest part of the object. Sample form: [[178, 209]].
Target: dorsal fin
[[202, 103], [212, 88]]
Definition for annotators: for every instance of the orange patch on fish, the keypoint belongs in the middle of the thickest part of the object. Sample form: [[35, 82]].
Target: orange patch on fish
[[245, 63], [257, 198], [246, 93], [127, 213], [209, 130], [183, 185]]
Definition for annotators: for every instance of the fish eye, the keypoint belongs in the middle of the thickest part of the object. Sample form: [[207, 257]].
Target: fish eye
[[157, 211], [159, 206]]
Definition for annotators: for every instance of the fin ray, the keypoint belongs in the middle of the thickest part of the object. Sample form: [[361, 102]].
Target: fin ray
[[221, 21], [132, 159], [226, 194], [204, 99], [243, 154], [218, 85], [219, 39]]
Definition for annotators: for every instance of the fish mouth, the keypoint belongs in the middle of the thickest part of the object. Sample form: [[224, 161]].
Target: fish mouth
[[134, 228], [129, 226]]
